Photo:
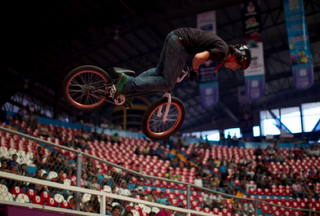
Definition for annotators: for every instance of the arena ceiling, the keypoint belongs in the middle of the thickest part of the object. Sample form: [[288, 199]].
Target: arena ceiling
[[47, 39]]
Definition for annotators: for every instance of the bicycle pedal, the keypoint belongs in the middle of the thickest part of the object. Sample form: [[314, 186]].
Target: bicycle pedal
[[120, 100], [112, 91]]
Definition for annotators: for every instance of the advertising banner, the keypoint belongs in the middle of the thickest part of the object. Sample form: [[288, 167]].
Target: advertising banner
[[208, 84], [299, 45], [208, 78], [254, 75], [251, 21]]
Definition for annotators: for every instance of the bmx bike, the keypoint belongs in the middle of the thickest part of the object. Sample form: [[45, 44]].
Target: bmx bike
[[88, 88]]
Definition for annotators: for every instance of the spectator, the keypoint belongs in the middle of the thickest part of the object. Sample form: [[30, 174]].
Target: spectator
[[91, 172], [92, 205], [198, 180], [311, 190], [72, 143], [96, 135], [59, 163], [175, 163], [248, 208], [139, 188], [223, 171], [4, 168], [116, 210], [23, 171], [231, 186], [103, 137], [83, 144], [208, 200], [218, 202], [129, 213], [152, 196], [73, 204], [164, 212], [244, 183], [115, 138], [39, 158], [108, 206], [86, 136], [308, 207], [297, 190], [84, 177], [44, 131], [57, 133], [124, 190], [94, 185], [236, 207], [37, 187], [258, 151], [59, 178], [33, 123], [107, 179], [161, 199], [217, 163], [117, 174], [13, 165], [223, 187], [18, 115], [145, 150], [152, 151]]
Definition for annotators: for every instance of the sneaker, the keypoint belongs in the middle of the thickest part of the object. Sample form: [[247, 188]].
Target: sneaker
[[128, 103], [120, 85]]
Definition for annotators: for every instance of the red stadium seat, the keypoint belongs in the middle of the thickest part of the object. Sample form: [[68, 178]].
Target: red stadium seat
[[31, 194], [45, 196], [52, 202], [64, 204], [15, 191], [37, 200]]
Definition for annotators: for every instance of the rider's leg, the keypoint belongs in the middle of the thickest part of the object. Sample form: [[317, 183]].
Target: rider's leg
[[172, 60]]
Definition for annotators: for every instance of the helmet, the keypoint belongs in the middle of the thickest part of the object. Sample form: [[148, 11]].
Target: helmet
[[243, 55]]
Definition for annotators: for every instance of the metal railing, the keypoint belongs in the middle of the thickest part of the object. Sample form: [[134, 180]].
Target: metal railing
[[188, 186]]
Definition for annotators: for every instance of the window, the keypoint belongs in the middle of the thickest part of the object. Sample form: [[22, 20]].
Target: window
[[268, 124], [310, 115], [256, 131], [290, 117], [212, 135], [232, 132]]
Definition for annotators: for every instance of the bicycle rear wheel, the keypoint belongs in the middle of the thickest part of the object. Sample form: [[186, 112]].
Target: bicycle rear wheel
[[85, 88], [152, 123]]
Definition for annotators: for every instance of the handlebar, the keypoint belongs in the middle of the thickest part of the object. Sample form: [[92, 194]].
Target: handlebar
[[184, 74]]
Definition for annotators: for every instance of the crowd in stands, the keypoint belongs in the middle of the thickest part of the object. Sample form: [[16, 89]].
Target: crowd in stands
[[223, 173]]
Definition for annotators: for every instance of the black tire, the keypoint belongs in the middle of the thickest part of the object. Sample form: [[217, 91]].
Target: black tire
[[176, 106], [100, 77]]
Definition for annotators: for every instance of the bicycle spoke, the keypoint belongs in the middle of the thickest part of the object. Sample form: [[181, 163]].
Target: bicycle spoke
[[88, 88]]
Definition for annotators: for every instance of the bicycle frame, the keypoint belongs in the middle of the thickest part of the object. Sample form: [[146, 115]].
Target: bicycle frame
[[167, 94]]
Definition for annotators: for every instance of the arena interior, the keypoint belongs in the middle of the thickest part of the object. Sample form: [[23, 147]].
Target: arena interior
[[241, 156]]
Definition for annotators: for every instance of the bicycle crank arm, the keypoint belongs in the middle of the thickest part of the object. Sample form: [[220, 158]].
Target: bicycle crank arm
[[165, 116]]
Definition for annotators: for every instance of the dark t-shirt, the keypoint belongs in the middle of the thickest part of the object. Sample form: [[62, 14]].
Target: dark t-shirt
[[197, 40]]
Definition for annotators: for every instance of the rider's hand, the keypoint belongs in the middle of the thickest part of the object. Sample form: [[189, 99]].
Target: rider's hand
[[193, 74]]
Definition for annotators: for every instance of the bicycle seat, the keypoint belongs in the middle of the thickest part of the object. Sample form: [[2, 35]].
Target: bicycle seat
[[125, 71]]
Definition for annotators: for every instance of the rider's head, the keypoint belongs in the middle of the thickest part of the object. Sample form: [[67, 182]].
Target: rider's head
[[240, 57]]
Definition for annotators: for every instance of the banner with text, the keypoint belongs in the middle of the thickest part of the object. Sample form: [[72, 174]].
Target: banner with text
[[254, 75], [299, 45], [208, 78], [208, 84], [251, 22]]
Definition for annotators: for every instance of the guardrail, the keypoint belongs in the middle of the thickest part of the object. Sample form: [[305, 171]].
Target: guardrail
[[80, 154]]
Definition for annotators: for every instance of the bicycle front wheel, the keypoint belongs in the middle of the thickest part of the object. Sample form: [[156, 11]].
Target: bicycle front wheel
[[85, 88], [153, 125]]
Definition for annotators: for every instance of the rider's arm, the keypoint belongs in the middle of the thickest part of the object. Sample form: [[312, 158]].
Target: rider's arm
[[200, 58]]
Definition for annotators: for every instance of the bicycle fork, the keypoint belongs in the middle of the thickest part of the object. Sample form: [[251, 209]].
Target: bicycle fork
[[165, 116]]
